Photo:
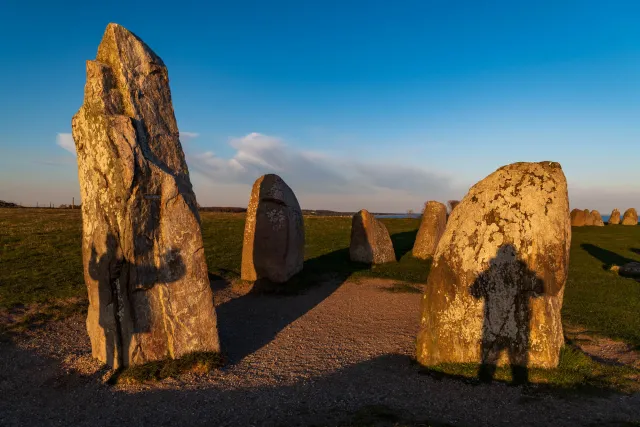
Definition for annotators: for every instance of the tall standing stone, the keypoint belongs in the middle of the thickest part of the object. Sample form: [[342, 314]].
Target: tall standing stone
[[434, 221], [370, 240], [273, 246], [495, 290], [143, 256], [597, 219], [614, 219], [630, 217]]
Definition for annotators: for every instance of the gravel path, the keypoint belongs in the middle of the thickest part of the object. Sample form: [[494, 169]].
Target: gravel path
[[321, 358]]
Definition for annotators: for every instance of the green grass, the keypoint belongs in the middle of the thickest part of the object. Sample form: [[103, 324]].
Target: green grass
[[595, 297], [40, 256], [326, 248], [576, 372]]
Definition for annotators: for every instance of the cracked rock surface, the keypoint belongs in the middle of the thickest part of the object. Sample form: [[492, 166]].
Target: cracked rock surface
[[143, 256]]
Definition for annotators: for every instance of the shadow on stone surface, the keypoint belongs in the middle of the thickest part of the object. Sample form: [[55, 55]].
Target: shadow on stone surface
[[124, 307], [606, 257], [506, 287]]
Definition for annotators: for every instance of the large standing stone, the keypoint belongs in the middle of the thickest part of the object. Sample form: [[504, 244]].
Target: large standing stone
[[630, 217], [495, 289], [144, 263], [614, 219], [273, 246], [578, 218], [370, 240], [597, 219], [434, 220]]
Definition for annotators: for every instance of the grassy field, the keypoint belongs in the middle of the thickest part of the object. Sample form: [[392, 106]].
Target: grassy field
[[40, 262]]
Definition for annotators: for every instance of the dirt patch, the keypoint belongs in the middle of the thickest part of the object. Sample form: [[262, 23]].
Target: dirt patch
[[602, 349], [337, 354]]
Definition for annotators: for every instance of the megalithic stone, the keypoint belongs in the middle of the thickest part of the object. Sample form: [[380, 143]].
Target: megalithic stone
[[496, 285], [143, 255], [273, 243], [434, 221]]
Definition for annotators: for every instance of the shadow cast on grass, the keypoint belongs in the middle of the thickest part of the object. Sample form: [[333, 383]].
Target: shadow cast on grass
[[403, 242], [606, 257], [249, 322]]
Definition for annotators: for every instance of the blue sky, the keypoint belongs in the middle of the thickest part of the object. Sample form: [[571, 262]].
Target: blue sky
[[356, 104]]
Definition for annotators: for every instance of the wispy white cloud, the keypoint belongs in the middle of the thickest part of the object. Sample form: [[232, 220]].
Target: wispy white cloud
[[315, 172], [187, 136], [65, 140]]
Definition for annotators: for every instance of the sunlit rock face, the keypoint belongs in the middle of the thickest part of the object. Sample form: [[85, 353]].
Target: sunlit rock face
[[614, 218], [143, 256], [578, 218], [495, 290], [370, 240], [273, 246], [630, 217], [597, 219], [434, 221]]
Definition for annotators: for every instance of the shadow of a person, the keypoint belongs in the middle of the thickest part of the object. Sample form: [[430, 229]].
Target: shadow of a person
[[124, 307], [507, 287]]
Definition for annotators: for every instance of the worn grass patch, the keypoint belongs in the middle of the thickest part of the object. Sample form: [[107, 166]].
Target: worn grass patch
[[576, 373], [199, 363]]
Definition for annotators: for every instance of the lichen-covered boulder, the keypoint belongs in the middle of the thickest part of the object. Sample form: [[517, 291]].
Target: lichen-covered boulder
[[144, 263], [273, 245], [434, 221], [370, 240], [614, 219], [630, 217], [495, 289], [596, 219], [578, 218]]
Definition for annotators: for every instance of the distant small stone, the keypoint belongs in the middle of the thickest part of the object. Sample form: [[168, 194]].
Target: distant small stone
[[273, 246], [597, 219], [631, 269], [434, 221], [588, 218], [578, 218], [614, 219], [630, 217], [370, 240]]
